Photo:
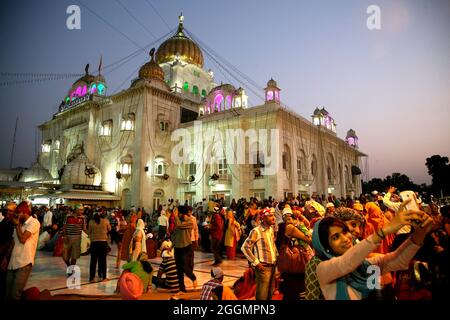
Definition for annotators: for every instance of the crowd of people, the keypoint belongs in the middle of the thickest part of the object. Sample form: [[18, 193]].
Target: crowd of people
[[371, 247]]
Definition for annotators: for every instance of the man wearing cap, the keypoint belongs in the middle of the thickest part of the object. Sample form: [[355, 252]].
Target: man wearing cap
[[260, 250], [26, 235], [183, 247], [48, 217], [330, 208], [209, 287], [74, 224]]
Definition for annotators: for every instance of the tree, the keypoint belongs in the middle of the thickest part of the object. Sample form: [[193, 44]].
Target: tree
[[401, 181], [439, 170]]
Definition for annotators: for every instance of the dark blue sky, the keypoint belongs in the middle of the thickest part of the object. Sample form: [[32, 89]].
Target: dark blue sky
[[390, 85]]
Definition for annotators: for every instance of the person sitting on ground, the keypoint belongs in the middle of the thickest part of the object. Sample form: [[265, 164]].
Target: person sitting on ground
[[213, 283], [167, 267], [142, 268]]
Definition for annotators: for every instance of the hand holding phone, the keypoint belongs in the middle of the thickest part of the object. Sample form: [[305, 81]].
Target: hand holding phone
[[411, 196]]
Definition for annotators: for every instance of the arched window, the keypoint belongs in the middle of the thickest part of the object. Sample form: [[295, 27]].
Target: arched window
[[228, 102], [163, 126], [125, 165], [160, 166], [186, 86], [46, 146], [106, 128], [218, 100], [57, 145], [195, 90], [203, 93], [128, 122]]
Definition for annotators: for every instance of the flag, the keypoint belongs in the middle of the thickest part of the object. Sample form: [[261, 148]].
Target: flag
[[100, 64]]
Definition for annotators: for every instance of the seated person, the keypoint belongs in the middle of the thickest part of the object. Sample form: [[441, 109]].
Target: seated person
[[167, 267], [142, 268]]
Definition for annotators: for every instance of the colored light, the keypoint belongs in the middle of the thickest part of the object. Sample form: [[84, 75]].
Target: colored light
[[269, 95], [101, 89], [93, 88], [218, 101]]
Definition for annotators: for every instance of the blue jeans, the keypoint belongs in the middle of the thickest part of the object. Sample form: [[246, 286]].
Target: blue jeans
[[265, 282], [16, 280]]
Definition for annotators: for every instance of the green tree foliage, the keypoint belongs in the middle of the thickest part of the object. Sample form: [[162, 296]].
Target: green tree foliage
[[400, 181], [439, 170]]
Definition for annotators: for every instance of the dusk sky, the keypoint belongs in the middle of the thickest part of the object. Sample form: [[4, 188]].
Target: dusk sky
[[392, 86]]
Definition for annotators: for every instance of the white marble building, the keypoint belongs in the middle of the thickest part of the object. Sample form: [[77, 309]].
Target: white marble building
[[123, 144]]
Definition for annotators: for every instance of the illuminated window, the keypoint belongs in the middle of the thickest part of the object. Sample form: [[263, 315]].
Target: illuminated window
[[203, 93], [101, 89], [106, 128], [128, 122], [223, 169], [160, 166], [186, 86], [218, 102], [125, 167], [46, 146], [57, 144], [195, 90]]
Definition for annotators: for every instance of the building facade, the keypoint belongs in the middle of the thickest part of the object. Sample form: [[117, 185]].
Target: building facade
[[125, 143]]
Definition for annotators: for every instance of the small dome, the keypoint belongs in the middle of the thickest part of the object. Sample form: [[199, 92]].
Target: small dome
[[272, 84], [151, 70], [87, 78], [181, 45], [80, 171], [224, 87], [36, 173], [351, 133]]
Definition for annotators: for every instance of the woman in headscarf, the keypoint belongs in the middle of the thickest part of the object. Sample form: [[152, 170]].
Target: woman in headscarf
[[295, 233], [377, 219], [346, 271], [232, 234], [138, 245], [127, 239]]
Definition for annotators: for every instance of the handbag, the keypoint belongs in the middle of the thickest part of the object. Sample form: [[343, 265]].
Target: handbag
[[293, 259]]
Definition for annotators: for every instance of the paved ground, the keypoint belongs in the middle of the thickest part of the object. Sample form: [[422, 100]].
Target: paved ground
[[50, 273]]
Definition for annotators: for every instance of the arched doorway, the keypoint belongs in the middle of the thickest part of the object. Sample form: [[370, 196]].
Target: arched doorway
[[158, 197]]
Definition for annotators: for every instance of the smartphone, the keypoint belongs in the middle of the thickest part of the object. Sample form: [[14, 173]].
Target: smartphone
[[412, 205]]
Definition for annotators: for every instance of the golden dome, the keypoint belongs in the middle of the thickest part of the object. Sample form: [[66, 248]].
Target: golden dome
[[151, 70], [181, 45], [87, 78]]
